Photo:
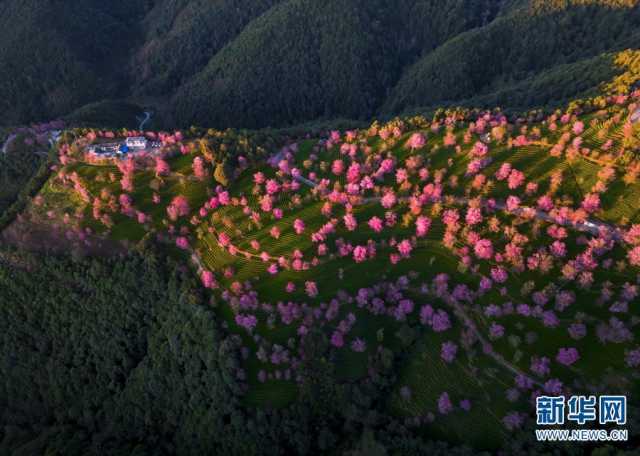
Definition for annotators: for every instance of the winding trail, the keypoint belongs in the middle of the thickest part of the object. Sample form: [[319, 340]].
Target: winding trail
[[592, 226], [459, 310], [8, 142], [54, 136], [195, 259], [143, 121]]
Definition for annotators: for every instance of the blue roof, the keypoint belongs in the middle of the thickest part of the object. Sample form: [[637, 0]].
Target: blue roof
[[124, 148]]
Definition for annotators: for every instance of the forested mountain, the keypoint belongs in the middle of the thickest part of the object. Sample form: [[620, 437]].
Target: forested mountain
[[121, 390], [519, 49], [399, 289], [415, 258], [125, 356], [56, 56], [182, 36], [332, 58], [255, 63]]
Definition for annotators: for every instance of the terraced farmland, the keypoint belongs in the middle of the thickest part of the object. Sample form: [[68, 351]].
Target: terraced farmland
[[487, 262]]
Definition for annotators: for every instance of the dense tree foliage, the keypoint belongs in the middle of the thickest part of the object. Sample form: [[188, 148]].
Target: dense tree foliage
[[126, 356], [14, 173], [106, 354], [137, 354], [344, 57], [260, 63], [56, 56], [532, 57], [107, 113], [22, 173], [181, 37]]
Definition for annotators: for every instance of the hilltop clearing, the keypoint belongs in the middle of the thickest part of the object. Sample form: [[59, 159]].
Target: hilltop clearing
[[487, 261]]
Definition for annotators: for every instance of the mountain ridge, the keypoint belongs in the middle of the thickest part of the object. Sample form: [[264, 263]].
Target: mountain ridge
[[274, 63]]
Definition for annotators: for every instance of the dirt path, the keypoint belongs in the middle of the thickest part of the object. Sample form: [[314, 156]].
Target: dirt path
[[8, 142], [144, 120], [460, 312], [197, 261], [592, 226]]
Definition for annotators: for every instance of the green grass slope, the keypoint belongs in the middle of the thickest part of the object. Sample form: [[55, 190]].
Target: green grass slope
[[591, 149]]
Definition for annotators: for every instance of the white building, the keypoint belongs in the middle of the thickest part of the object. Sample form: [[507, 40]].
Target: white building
[[136, 142]]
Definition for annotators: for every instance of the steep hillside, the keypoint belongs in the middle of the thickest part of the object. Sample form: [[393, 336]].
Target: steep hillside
[[255, 63], [516, 49], [457, 266], [314, 56], [57, 56], [182, 36], [321, 59], [24, 158]]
